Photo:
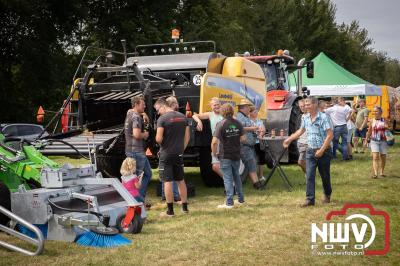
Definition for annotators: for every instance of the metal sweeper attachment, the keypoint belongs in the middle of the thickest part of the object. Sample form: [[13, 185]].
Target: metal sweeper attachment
[[75, 204]]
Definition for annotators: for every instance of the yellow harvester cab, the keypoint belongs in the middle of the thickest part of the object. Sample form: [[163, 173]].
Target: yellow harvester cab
[[231, 80]]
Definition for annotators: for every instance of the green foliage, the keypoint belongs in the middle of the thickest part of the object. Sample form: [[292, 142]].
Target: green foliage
[[34, 62], [40, 41]]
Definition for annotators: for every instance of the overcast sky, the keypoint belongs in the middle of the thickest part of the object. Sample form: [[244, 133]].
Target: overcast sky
[[380, 17]]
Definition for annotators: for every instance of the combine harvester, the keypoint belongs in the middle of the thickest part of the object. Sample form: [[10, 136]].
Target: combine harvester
[[100, 98]]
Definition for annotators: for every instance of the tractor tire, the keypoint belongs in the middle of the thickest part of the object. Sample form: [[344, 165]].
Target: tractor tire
[[5, 202], [294, 125], [210, 178]]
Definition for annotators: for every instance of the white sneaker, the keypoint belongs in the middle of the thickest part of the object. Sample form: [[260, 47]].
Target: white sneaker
[[224, 206]]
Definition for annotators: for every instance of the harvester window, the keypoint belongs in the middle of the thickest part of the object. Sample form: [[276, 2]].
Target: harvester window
[[270, 76]]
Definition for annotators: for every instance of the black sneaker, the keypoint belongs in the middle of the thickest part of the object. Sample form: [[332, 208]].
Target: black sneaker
[[147, 205], [177, 199], [259, 185], [307, 203], [326, 199], [185, 208]]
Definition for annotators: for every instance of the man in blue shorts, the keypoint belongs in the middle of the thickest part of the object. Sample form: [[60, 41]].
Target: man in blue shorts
[[247, 151]]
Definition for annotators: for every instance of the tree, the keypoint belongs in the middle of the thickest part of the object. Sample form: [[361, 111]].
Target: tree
[[33, 59]]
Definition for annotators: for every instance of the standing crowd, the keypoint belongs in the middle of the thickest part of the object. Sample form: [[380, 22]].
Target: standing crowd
[[235, 141], [324, 130]]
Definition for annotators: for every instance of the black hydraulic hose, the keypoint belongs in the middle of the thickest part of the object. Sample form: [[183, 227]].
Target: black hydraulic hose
[[97, 214], [13, 151], [22, 140], [70, 145], [10, 149]]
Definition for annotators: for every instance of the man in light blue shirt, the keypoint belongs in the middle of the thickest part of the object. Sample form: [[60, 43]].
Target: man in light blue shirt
[[318, 154]]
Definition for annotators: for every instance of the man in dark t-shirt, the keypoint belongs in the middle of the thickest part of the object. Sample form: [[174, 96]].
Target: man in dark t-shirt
[[173, 136], [229, 132], [135, 135]]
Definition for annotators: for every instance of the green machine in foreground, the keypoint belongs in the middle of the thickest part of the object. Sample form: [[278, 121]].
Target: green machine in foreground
[[20, 164], [67, 203]]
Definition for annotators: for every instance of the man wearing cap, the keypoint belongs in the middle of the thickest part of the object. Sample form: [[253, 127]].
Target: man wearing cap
[[247, 153]]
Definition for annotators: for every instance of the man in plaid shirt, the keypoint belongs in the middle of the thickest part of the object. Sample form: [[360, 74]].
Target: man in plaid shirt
[[318, 154]]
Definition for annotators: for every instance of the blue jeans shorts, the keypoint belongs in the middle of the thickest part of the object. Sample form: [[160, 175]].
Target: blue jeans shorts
[[248, 157]]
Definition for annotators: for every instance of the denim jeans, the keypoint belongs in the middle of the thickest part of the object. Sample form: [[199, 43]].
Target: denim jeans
[[142, 164], [248, 157], [230, 171], [139, 199], [324, 164], [340, 132]]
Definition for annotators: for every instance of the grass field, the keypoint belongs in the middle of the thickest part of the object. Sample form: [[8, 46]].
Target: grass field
[[271, 229]]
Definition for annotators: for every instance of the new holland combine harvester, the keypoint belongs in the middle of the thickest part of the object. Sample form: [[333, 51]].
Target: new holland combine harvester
[[100, 97]]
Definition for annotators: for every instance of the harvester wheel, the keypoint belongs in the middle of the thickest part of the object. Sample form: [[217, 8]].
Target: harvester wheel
[[294, 124], [5, 201], [210, 178]]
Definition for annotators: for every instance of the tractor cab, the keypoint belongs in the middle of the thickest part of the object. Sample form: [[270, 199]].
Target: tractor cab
[[275, 68], [283, 113]]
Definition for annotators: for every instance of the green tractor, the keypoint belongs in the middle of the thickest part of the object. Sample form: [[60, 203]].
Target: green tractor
[[20, 164]]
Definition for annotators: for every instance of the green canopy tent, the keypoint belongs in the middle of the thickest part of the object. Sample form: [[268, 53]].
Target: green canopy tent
[[330, 79]]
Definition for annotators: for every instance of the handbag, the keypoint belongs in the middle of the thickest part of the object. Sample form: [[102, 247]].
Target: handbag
[[389, 137]]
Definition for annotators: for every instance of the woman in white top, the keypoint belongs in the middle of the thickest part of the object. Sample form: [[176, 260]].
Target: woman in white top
[[214, 116]]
